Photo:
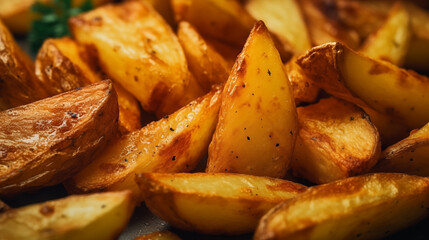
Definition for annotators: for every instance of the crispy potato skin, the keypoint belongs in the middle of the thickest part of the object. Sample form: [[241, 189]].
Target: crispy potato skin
[[18, 83], [151, 65], [176, 143], [164, 235], [368, 82], [207, 65], [364, 207], [46, 142], [98, 216], [257, 124], [213, 203], [410, 155], [336, 140], [304, 89], [63, 65]]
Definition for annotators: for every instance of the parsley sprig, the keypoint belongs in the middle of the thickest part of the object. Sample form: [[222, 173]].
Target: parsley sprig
[[51, 20]]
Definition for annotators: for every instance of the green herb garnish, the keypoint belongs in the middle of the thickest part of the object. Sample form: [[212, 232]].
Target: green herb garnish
[[52, 20]]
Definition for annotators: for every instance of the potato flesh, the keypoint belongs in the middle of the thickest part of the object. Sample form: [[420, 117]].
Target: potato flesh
[[224, 20], [336, 140], [151, 65], [214, 203], [365, 207], [284, 19], [391, 41], [18, 83], [96, 216], [207, 65], [48, 141], [410, 155], [173, 144], [257, 121]]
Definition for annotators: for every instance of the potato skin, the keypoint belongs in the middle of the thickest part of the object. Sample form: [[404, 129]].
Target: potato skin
[[48, 141], [365, 207], [18, 83]]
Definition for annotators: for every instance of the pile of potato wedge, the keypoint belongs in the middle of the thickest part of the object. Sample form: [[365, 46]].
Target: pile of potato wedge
[[283, 119]]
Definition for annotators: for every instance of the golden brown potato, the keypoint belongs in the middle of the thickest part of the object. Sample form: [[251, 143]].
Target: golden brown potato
[[257, 121], [165, 9], [164, 235], [335, 140], [62, 65], [98, 216], [207, 65], [391, 41], [46, 142], [304, 89], [4, 207], [213, 203], [151, 65], [17, 16], [284, 19], [411, 155], [323, 27], [176, 143], [18, 84], [364, 207], [225, 20], [380, 85]]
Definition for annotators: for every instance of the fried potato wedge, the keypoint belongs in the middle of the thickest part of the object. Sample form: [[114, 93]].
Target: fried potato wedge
[[336, 140], [363, 207], [304, 89], [225, 20], [176, 143], [96, 216], [380, 85], [164, 8], [411, 155], [164, 235], [285, 20], [48, 141], [207, 65], [257, 121], [213, 203], [18, 83], [323, 28], [151, 65], [391, 41], [63, 65]]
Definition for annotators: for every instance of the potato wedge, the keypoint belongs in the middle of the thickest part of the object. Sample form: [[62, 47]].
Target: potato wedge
[[391, 41], [323, 27], [367, 82], [207, 65], [304, 89], [284, 19], [96, 216], [213, 203], [257, 121], [224, 20], [151, 65], [63, 65], [18, 84], [411, 155], [164, 8], [175, 143], [364, 207], [46, 142], [336, 140], [164, 235]]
